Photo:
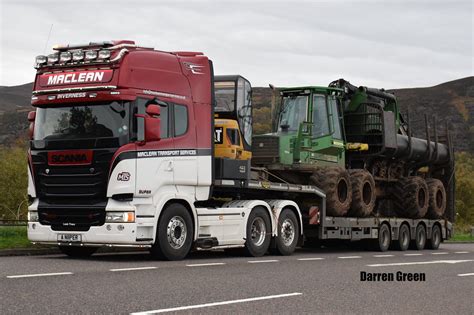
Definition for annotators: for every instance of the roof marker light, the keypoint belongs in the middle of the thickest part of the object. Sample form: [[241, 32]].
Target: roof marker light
[[39, 60], [77, 55], [91, 54], [65, 56], [52, 58], [104, 54]]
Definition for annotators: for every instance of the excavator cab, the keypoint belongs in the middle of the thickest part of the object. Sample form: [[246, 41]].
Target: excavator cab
[[232, 126]]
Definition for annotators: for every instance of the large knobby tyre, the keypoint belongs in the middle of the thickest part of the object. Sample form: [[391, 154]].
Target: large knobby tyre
[[78, 252], [336, 183], [411, 197], [363, 193], [437, 198], [382, 243], [175, 233], [420, 238], [403, 241], [288, 233], [435, 240], [258, 234]]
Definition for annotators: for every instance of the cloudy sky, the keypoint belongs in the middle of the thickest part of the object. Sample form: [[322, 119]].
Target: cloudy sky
[[391, 43]]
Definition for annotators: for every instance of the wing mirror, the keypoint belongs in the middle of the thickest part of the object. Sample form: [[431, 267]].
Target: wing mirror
[[31, 119], [152, 123]]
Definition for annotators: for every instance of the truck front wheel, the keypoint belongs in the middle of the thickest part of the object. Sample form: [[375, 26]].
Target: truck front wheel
[[78, 252], [258, 232], [175, 234], [288, 233]]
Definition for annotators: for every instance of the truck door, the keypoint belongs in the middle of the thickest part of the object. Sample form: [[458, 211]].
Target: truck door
[[155, 168]]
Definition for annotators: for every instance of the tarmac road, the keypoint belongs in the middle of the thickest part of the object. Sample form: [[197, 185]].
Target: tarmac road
[[310, 281]]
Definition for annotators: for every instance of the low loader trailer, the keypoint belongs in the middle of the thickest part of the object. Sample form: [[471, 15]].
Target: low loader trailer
[[135, 147]]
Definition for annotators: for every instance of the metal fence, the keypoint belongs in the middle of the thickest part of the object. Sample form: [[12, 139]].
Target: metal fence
[[13, 222]]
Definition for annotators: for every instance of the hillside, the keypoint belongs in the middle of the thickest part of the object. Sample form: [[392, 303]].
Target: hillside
[[451, 101]]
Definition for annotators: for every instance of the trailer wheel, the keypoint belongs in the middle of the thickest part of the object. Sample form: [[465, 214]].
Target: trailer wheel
[[258, 233], [174, 235], [437, 199], [435, 240], [420, 238], [385, 238], [403, 238], [363, 193], [288, 233], [335, 181], [78, 252], [411, 197]]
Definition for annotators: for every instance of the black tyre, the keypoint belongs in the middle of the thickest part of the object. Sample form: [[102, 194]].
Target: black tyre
[[288, 233], [335, 182], [363, 193], [403, 241], [175, 233], [258, 232], [437, 198], [435, 240], [411, 197], [78, 252], [420, 238], [385, 238]]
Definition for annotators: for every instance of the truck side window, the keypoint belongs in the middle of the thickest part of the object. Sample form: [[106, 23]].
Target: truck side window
[[180, 120]]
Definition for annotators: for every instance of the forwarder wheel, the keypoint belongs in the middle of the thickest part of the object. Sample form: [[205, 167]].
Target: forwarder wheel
[[385, 238], [420, 238], [336, 183], [435, 240], [288, 233], [437, 199], [363, 193], [174, 235], [411, 197], [78, 252], [403, 238], [258, 232]]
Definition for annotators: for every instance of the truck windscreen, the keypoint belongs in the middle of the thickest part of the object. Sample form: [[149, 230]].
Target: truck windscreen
[[104, 120]]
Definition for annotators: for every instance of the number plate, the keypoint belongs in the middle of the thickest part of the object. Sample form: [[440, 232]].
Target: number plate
[[69, 238]]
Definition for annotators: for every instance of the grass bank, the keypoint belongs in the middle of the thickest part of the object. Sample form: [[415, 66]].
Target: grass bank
[[13, 237]]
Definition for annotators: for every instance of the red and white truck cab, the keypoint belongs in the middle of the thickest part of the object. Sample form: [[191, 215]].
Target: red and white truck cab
[[121, 154]]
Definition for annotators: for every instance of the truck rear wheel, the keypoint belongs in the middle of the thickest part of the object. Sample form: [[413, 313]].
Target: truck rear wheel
[[420, 238], [403, 238], [288, 233], [336, 183], [258, 232], [78, 252], [437, 198], [174, 235], [435, 240], [363, 193], [411, 197]]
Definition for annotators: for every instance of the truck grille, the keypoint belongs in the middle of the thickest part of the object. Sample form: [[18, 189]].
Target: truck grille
[[75, 219], [265, 150], [61, 183]]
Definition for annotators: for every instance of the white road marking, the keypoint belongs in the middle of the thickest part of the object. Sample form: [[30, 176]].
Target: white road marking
[[262, 261], [380, 256], [414, 254], [190, 307], [131, 269], [422, 263], [40, 275], [465, 274], [440, 253], [202, 265], [349, 257], [461, 252], [311, 258]]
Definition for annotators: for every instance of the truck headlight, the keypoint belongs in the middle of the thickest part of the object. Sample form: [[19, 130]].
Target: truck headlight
[[120, 217], [32, 216]]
